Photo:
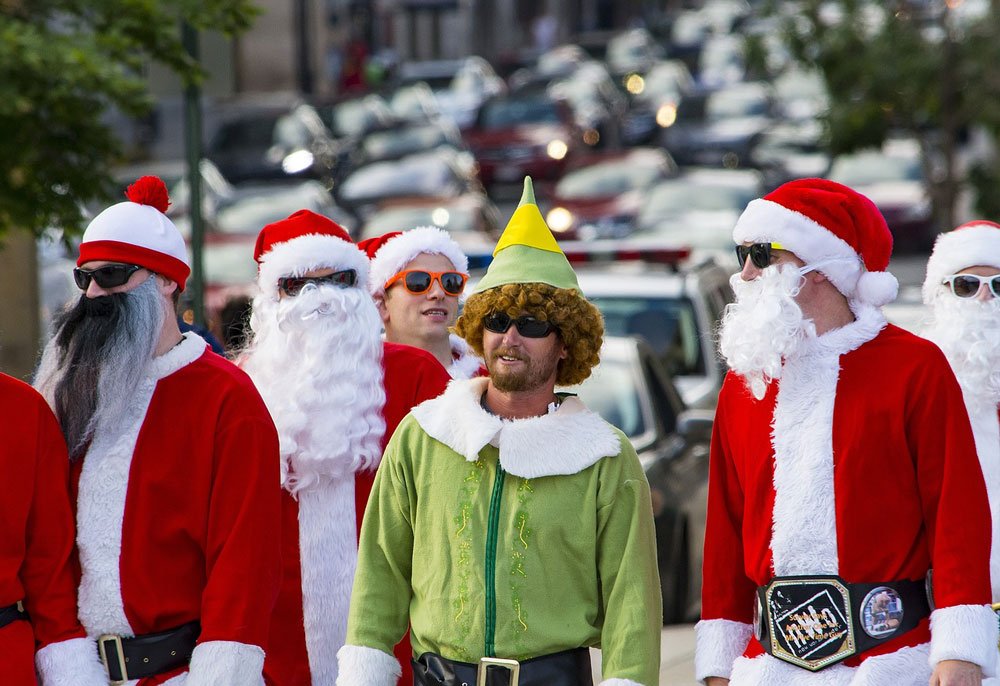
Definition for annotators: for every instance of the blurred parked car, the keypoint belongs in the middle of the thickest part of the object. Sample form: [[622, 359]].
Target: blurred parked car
[[655, 96], [634, 51], [216, 191], [259, 205], [791, 150], [352, 118], [415, 103], [630, 390], [722, 61], [601, 196], [472, 219], [401, 141], [460, 86]]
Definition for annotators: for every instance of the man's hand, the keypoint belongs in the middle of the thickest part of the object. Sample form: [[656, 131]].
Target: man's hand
[[956, 673], [716, 681]]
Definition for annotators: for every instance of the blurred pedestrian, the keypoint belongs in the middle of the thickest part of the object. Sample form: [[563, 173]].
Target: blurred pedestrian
[[511, 527], [824, 398], [962, 289], [417, 279], [336, 393], [173, 459], [37, 585]]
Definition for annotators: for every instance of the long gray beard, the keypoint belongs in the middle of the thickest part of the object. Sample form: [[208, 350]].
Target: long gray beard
[[93, 364], [968, 332]]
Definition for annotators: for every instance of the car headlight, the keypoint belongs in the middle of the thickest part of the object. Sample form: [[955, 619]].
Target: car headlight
[[556, 149], [666, 115], [559, 219], [298, 161]]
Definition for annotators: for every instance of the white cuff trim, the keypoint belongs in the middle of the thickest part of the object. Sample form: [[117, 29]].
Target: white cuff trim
[[226, 663], [363, 666], [619, 682], [73, 662], [718, 642], [965, 632]]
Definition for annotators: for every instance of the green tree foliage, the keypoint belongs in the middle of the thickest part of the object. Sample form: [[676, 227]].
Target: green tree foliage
[[63, 64], [924, 69]]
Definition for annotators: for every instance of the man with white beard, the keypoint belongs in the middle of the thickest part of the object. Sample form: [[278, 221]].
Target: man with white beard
[[842, 470], [962, 289], [173, 461], [336, 393]]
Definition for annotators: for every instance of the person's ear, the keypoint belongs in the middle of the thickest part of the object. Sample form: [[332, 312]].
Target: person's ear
[[382, 309], [166, 286]]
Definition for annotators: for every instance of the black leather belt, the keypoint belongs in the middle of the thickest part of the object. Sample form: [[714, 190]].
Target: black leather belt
[[12, 613], [568, 668], [137, 657], [817, 621]]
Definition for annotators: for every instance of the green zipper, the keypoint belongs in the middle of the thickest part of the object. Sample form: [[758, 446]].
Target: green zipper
[[491, 562]]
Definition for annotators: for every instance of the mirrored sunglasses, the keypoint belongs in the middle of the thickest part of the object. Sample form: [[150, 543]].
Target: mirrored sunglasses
[[293, 285], [968, 285], [759, 254], [418, 281], [527, 326], [108, 276]]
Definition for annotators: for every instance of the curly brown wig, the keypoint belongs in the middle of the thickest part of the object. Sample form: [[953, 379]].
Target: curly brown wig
[[579, 323]]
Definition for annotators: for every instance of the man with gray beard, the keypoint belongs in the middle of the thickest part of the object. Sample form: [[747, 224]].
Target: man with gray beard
[[336, 393], [172, 458], [842, 470], [962, 289]]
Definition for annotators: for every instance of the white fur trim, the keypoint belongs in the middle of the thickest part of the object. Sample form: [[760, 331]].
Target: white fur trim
[[583, 436], [101, 499], [876, 288], [73, 662], [467, 363], [226, 663], [986, 429], [308, 252], [957, 250], [156, 232], [328, 557], [965, 632], [904, 667], [398, 251], [718, 642], [619, 682], [364, 666]]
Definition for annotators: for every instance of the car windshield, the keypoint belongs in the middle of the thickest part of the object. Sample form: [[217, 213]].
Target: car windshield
[[507, 113], [667, 324], [611, 392], [452, 219], [604, 179], [384, 179], [229, 264], [868, 168]]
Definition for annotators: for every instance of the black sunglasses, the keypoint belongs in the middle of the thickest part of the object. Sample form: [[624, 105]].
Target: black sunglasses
[[529, 327], [759, 254], [293, 285], [108, 276], [968, 285]]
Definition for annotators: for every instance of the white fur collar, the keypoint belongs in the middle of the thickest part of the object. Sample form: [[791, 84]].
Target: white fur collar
[[466, 363], [868, 322], [191, 347], [525, 445]]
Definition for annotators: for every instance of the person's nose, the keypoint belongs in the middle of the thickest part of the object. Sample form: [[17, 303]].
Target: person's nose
[[750, 271], [984, 294], [436, 291], [512, 337], [94, 291]]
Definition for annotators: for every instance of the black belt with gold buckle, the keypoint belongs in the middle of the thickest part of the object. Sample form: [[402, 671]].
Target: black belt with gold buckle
[[137, 657], [566, 668], [12, 613], [817, 621]]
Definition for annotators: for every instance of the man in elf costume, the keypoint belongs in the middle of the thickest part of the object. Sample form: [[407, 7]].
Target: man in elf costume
[[962, 289], [842, 470], [417, 278], [336, 393], [173, 460], [510, 526]]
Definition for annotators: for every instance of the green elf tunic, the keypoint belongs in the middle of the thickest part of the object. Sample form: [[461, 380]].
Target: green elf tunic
[[511, 539]]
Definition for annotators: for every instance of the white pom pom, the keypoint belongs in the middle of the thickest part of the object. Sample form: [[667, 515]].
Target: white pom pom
[[876, 288]]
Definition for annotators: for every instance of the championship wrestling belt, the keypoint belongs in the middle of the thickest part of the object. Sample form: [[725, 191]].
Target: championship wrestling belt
[[817, 621]]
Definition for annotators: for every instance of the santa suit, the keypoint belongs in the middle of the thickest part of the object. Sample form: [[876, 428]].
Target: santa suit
[[858, 462], [36, 538], [320, 539], [178, 516], [465, 363]]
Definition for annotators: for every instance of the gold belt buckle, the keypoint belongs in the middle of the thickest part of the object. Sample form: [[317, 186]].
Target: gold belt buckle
[[512, 666], [117, 640]]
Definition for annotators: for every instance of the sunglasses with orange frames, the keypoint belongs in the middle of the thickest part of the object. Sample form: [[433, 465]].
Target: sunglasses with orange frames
[[418, 281]]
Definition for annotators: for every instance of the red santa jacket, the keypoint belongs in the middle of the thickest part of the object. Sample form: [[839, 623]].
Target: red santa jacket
[[36, 547], [178, 516], [859, 462], [411, 375]]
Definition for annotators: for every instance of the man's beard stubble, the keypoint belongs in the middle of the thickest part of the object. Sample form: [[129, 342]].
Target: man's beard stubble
[[536, 372], [98, 354]]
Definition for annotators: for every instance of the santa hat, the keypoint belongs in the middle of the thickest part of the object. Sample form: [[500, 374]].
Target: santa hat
[[391, 252], [303, 242], [827, 224], [138, 232], [972, 244]]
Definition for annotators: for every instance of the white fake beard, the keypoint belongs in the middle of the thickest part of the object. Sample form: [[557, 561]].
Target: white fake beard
[[763, 326], [316, 359], [968, 332]]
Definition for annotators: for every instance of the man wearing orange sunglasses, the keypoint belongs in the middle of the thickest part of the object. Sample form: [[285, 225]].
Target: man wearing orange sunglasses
[[417, 279]]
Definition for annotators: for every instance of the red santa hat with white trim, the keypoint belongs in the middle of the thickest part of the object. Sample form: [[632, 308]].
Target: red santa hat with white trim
[[302, 242], [391, 252], [829, 225], [138, 232], [975, 243]]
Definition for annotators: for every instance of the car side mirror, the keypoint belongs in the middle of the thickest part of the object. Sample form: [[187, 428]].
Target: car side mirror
[[696, 425]]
